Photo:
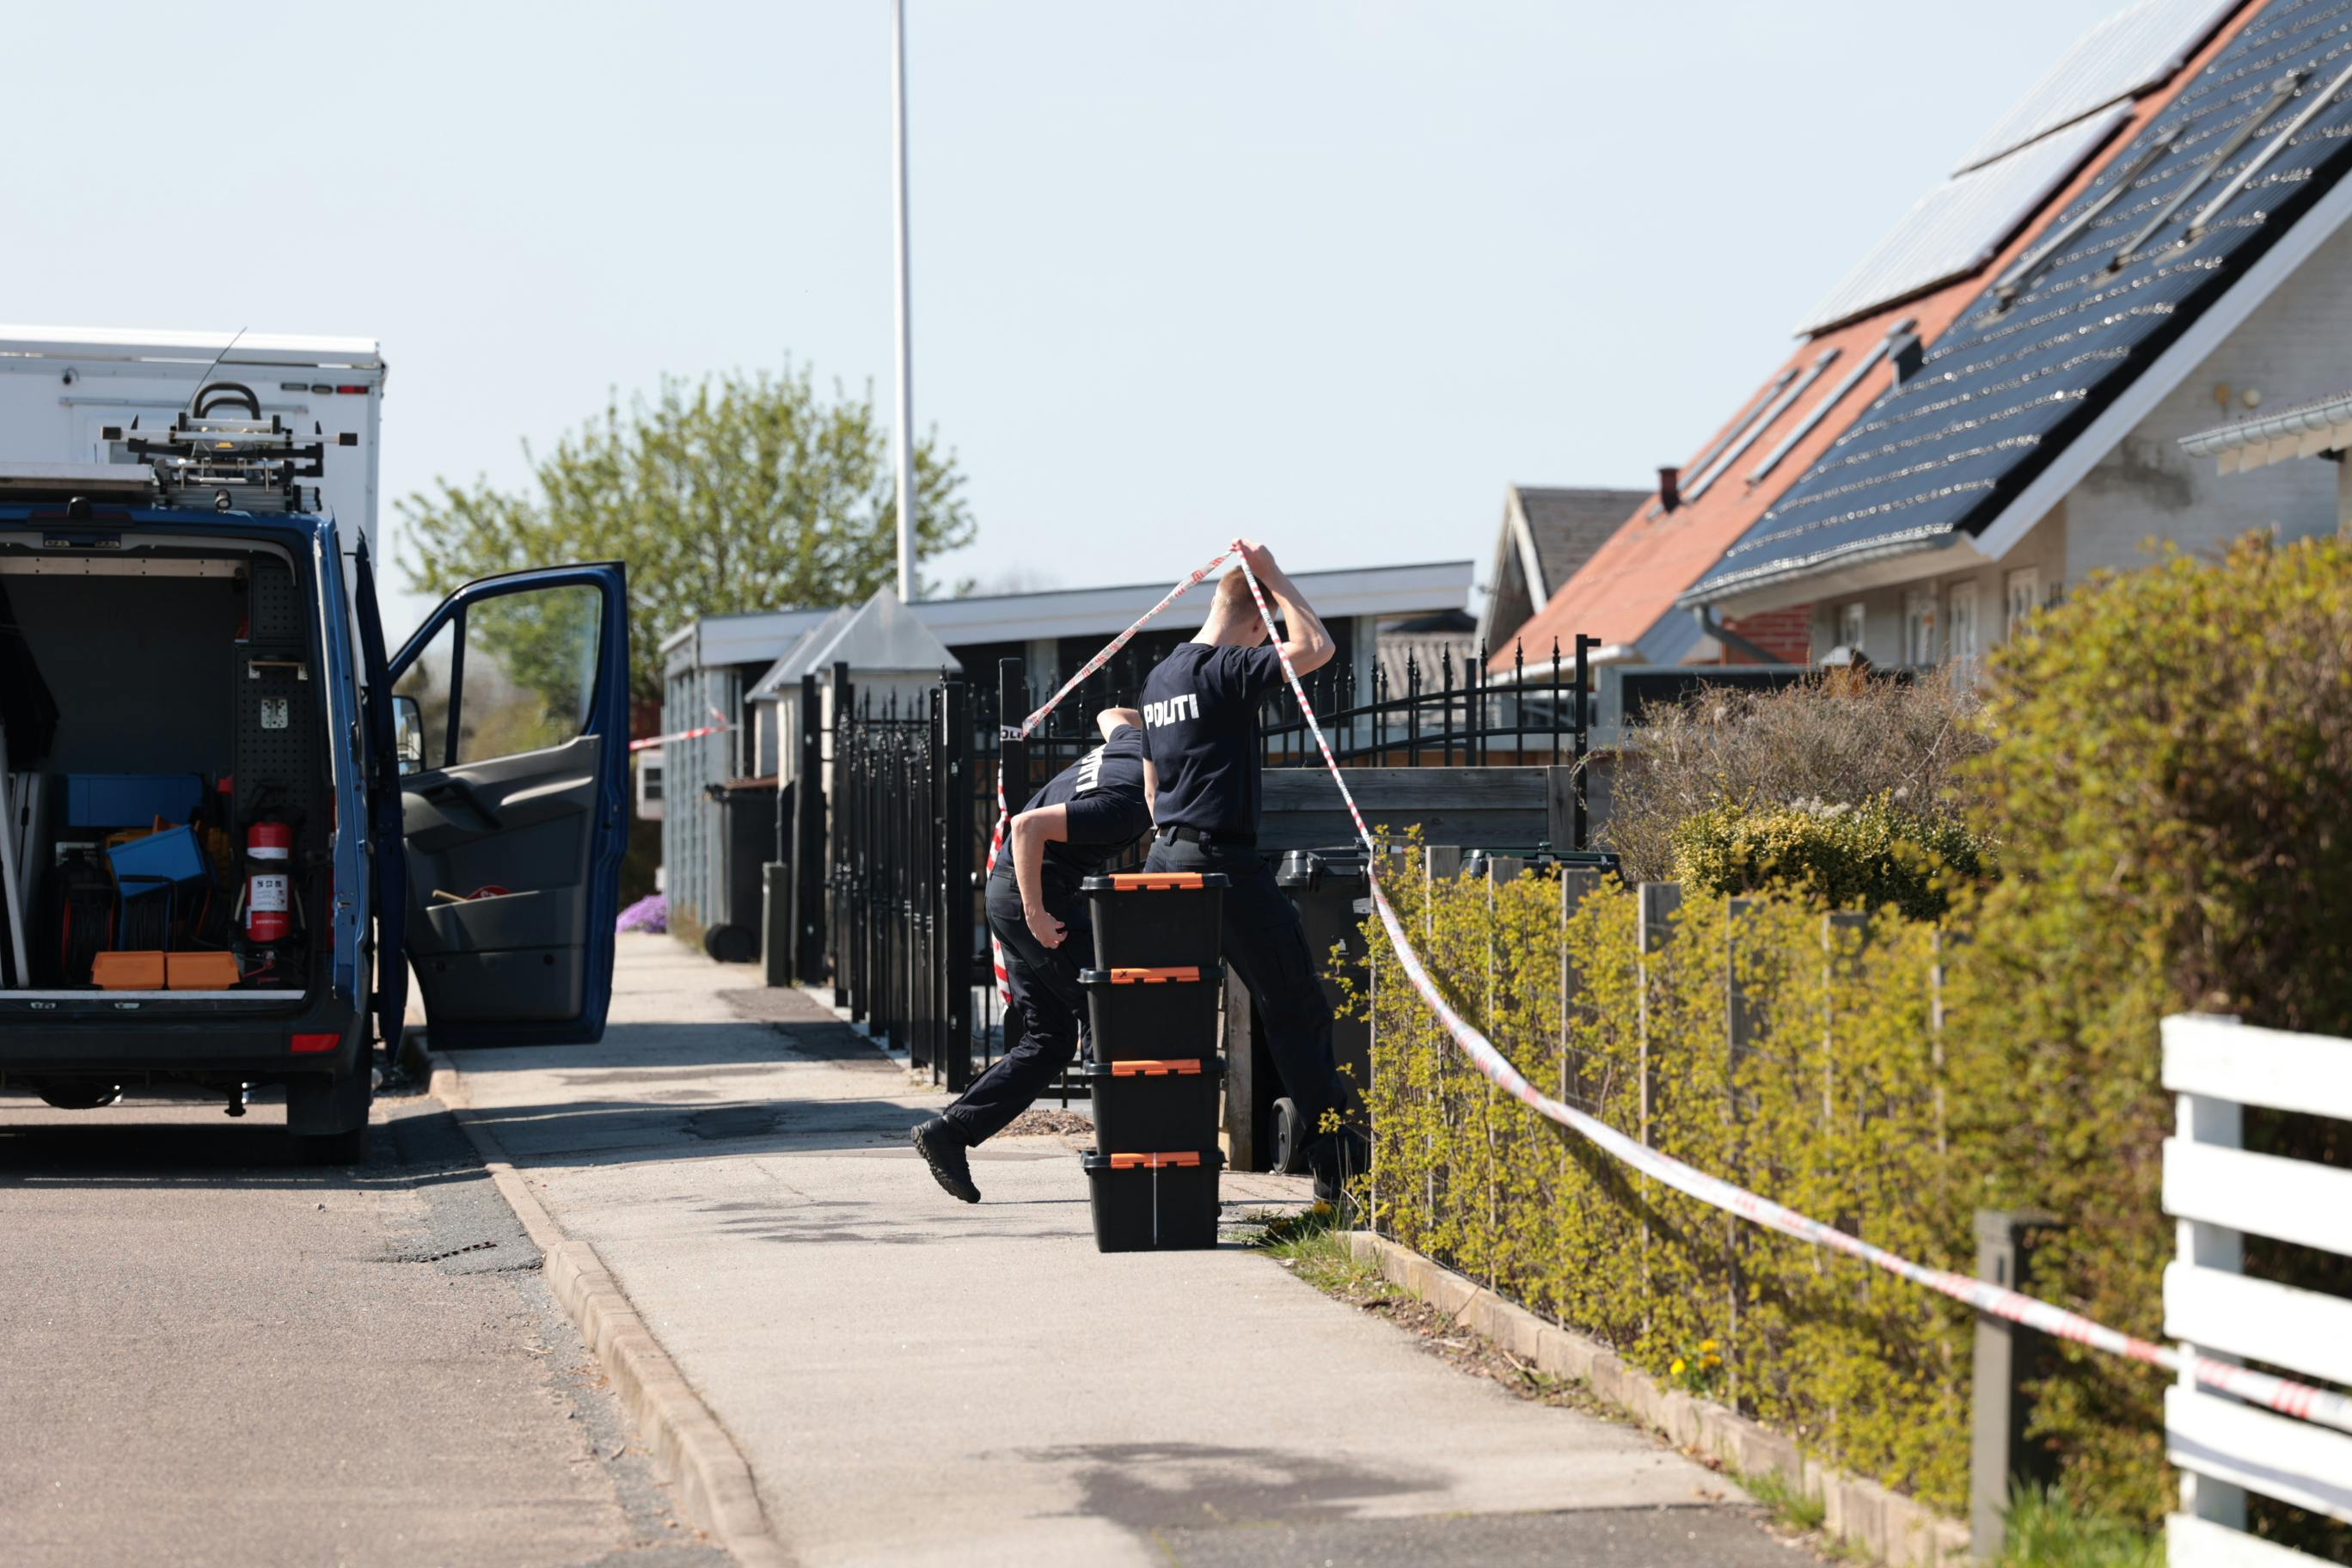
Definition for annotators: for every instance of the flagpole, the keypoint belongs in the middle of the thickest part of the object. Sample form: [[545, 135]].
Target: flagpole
[[905, 423]]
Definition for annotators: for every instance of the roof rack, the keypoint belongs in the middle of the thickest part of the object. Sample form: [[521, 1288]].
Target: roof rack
[[223, 465]]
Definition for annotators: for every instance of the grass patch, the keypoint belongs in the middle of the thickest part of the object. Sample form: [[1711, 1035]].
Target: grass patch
[[1789, 1506], [2047, 1531]]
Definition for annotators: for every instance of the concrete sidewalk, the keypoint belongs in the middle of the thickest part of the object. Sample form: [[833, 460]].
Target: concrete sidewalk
[[914, 1381]]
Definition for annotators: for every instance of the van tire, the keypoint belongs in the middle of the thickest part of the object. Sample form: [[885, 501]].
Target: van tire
[[347, 1148]]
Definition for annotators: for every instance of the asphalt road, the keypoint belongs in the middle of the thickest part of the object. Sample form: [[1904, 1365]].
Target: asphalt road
[[211, 1355]]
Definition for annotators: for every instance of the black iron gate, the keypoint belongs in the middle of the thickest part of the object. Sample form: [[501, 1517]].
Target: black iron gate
[[913, 803], [902, 872]]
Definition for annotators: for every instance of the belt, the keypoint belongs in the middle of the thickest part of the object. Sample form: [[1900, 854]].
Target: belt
[[1206, 840]]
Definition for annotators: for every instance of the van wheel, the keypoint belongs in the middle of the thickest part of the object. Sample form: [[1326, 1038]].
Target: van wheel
[[346, 1148]]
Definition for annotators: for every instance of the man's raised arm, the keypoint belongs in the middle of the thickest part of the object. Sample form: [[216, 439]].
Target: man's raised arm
[[1305, 642]]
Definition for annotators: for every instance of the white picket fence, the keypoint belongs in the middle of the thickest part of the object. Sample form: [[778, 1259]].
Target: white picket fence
[[2217, 1192]]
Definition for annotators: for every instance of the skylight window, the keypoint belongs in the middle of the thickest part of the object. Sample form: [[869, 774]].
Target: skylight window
[[1762, 423], [2278, 145], [1698, 465], [2282, 92], [1819, 411], [2022, 276]]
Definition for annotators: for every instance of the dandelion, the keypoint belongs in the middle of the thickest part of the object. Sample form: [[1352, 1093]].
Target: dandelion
[[1709, 1346], [1679, 1367]]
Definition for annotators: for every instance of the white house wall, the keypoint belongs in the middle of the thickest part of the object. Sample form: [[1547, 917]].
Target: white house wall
[[2296, 345], [2043, 552]]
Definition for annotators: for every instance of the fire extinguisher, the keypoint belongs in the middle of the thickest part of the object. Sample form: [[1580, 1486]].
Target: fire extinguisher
[[268, 891]]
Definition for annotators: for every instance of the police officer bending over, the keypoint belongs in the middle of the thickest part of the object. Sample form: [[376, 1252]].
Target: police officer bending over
[[1089, 813], [1200, 716]]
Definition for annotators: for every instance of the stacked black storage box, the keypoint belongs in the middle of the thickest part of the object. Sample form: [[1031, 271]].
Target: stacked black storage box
[[1151, 1012]]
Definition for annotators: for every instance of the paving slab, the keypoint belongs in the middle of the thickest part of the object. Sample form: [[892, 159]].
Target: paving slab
[[917, 1381]]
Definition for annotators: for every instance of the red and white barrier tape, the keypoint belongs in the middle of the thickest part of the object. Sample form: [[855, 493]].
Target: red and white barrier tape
[[649, 741], [1023, 731], [2278, 1394]]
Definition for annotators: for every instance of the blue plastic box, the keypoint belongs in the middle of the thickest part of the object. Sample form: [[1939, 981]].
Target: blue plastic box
[[173, 856], [130, 800]]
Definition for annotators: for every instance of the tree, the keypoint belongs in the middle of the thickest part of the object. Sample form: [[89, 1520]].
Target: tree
[[728, 495]]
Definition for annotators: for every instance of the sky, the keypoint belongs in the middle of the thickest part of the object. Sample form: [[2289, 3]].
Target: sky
[[1332, 275]]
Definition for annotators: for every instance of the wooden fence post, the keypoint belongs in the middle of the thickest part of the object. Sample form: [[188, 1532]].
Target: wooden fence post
[[2007, 1358], [1743, 1023]]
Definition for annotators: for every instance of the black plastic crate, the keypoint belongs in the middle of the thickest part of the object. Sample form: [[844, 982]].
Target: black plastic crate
[[1156, 919], [1146, 1104], [1154, 1202], [1167, 1014]]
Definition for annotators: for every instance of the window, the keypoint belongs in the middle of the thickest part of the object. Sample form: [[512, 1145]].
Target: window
[[2024, 590], [523, 679], [1919, 627], [1962, 607], [1854, 620]]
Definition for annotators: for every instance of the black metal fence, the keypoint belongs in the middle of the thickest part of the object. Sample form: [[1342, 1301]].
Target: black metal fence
[[901, 932], [914, 803]]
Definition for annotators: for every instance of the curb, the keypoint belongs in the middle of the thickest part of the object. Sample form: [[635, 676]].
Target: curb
[[690, 1450], [1889, 1527]]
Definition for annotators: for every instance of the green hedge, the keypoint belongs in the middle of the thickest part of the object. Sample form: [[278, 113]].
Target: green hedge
[[1836, 855], [1833, 1103], [2169, 792]]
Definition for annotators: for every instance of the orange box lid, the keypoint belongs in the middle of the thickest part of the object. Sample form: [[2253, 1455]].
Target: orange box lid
[[127, 971], [200, 971], [1184, 972], [1154, 1161], [1151, 882], [1147, 1066]]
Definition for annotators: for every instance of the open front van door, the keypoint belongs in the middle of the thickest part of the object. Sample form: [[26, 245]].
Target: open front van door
[[512, 702]]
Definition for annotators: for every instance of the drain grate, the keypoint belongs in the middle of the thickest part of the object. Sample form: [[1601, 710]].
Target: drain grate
[[437, 1256]]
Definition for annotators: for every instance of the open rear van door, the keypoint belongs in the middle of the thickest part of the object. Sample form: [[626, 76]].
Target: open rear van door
[[512, 705]]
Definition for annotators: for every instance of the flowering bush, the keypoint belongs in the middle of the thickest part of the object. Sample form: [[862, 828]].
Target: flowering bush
[[1831, 854], [650, 914]]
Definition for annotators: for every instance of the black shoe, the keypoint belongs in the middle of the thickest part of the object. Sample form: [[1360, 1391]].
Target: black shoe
[[943, 1145]]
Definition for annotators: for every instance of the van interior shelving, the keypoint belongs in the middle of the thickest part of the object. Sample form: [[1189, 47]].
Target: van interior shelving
[[159, 696]]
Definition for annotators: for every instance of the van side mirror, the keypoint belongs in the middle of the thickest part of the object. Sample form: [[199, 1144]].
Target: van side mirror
[[408, 735]]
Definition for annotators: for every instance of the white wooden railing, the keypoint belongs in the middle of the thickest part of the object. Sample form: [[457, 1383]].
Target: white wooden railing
[[2218, 1191]]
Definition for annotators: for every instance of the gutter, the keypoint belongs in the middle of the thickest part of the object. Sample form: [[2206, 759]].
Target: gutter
[[2322, 418], [1725, 635], [1787, 570]]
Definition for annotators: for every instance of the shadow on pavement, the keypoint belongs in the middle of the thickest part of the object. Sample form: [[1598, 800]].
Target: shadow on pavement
[[1147, 1487]]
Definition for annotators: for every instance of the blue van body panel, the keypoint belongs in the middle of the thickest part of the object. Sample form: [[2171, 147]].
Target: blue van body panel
[[390, 865]]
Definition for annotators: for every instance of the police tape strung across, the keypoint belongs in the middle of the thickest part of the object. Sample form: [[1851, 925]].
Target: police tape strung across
[[1023, 730], [2279, 1394]]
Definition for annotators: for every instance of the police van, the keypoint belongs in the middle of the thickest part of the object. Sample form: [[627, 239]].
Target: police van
[[234, 817]]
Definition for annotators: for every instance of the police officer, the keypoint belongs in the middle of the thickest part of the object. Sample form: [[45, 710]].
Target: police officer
[[1089, 813], [1200, 718]]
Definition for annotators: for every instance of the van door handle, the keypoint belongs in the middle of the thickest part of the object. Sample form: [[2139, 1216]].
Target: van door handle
[[442, 791]]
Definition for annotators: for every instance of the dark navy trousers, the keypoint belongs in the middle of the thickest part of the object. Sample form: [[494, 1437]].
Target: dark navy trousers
[[1265, 944], [1045, 1000]]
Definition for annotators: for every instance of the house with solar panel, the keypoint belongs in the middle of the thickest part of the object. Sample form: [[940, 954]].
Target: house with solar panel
[[1653, 594], [2191, 271]]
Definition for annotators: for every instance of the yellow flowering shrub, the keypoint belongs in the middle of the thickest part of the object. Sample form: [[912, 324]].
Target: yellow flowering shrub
[[1831, 1100]]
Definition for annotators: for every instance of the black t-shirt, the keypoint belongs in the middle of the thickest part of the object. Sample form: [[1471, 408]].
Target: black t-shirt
[[1102, 795], [1200, 719]]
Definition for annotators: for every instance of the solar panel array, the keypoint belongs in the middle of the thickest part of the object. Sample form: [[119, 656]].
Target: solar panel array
[[2135, 48], [1959, 225], [2005, 388]]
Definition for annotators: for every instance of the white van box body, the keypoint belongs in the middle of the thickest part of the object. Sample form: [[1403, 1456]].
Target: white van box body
[[61, 386]]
